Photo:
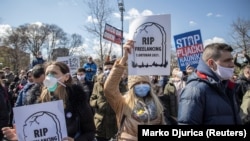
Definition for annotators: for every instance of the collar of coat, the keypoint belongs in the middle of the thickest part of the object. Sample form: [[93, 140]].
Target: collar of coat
[[201, 75]]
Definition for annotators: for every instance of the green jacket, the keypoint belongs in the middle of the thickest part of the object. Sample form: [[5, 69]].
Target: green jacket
[[104, 117]]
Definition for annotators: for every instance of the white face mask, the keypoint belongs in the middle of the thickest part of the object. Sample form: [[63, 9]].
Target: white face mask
[[179, 74], [51, 82], [81, 77], [224, 73]]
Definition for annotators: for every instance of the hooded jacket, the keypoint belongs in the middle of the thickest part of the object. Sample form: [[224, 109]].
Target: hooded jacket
[[208, 100]]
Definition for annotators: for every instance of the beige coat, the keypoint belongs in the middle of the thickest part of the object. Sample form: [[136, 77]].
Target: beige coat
[[117, 102]]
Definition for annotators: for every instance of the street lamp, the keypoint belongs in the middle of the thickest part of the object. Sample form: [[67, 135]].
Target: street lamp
[[121, 9]]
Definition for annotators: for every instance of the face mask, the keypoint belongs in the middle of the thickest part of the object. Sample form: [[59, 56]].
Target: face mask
[[141, 90], [179, 74], [106, 72], [80, 77], [51, 83], [224, 73]]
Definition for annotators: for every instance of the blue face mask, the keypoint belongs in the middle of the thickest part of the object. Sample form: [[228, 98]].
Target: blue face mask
[[141, 90]]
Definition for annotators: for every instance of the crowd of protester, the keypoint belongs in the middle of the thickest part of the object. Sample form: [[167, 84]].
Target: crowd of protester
[[106, 100]]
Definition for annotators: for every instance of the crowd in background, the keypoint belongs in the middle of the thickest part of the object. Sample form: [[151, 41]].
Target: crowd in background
[[105, 100]]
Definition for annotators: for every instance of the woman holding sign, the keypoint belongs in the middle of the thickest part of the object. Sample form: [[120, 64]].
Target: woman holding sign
[[138, 106], [58, 85]]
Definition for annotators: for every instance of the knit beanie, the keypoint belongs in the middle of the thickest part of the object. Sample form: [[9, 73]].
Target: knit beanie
[[133, 79]]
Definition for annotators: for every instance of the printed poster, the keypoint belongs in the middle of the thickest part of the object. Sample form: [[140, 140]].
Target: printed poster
[[189, 48], [73, 62], [151, 53], [40, 122]]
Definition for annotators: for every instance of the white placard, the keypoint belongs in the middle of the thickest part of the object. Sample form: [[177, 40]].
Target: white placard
[[151, 53], [40, 122], [73, 62]]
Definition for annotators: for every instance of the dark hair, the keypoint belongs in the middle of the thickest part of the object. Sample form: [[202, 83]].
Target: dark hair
[[100, 68], [38, 70], [81, 70], [108, 63], [214, 50]]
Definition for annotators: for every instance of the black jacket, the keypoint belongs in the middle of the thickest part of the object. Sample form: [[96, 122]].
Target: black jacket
[[81, 124], [4, 117]]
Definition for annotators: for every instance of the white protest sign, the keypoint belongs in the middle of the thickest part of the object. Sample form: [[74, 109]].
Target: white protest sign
[[40, 122], [73, 62], [151, 53]]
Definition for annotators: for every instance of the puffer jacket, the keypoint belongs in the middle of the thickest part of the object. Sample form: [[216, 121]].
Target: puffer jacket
[[208, 100], [116, 100]]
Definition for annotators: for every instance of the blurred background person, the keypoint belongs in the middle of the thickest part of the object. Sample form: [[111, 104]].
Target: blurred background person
[[38, 59]]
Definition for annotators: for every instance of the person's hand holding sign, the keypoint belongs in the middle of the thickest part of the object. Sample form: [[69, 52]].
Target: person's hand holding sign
[[128, 46]]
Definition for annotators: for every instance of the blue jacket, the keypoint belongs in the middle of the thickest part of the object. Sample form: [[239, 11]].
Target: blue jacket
[[21, 98], [208, 100], [36, 61], [90, 70]]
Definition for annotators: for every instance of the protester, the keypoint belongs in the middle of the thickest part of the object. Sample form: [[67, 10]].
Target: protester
[[38, 59], [177, 80], [245, 108], [38, 75], [245, 60], [8, 76], [99, 71], [21, 97], [156, 87], [209, 97], [139, 105], [58, 85], [90, 71], [104, 115], [4, 113], [243, 83], [170, 102], [189, 70], [80, 79]]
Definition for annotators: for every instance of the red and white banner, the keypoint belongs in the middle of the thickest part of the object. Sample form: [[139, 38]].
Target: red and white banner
[[112, 34]]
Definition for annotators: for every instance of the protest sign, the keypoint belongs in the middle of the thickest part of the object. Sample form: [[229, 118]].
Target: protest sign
[[151, 52], [73, 62], [189, 48], [40, 122], [112, 34]]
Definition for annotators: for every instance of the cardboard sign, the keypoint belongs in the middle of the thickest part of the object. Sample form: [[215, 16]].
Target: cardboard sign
[[40, 122], [151, 53]]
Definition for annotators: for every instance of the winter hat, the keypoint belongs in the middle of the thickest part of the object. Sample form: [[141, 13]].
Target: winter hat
[[133, 79]]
